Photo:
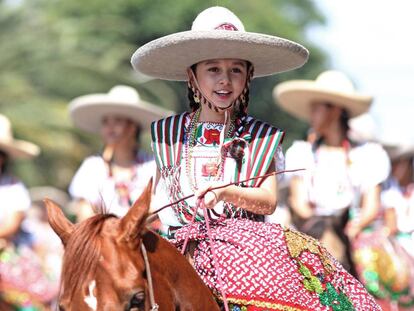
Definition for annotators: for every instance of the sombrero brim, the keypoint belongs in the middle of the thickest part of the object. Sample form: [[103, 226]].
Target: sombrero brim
[[396, 152], [296, 96], [38, 194], [19, 149], [168, 57], [88, 111]]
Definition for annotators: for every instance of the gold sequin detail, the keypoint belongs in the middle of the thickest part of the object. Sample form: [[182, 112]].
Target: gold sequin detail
[[261, 304], [298, 242]]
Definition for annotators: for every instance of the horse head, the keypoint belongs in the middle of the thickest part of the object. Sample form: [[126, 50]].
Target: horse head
[[104, 266]]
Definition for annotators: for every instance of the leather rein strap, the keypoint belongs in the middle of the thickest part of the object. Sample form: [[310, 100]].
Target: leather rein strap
[[154, 305], [223, 186]]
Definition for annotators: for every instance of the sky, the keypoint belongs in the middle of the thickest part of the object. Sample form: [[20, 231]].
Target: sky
[[372, 41]]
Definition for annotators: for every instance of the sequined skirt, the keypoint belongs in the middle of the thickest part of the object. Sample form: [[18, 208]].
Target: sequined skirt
[[23, 280], [266, 267], [385, 268]]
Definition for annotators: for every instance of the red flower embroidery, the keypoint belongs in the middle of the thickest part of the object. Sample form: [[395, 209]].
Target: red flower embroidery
[[212, 136]]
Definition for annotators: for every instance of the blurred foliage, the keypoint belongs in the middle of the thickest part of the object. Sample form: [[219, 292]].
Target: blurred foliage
[[54, 50]]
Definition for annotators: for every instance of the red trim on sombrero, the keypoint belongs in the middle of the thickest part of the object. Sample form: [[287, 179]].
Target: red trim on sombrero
[[227, 26]]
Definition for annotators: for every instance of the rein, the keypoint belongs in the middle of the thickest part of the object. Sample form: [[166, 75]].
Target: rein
[[223, 186], [154, 305]]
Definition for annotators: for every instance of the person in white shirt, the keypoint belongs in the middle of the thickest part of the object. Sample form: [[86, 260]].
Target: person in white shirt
[[338, 194], [398, 197], [23, 282], [14, 197], [114, 179]]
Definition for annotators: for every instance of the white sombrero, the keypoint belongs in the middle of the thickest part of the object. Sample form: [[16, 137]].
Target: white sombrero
[[330, 86], [88, 111], [400, 151], [13, 147], [217, 33], [38, 194]]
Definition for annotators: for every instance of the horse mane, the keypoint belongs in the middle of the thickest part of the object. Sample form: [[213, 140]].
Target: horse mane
[[82, 252]]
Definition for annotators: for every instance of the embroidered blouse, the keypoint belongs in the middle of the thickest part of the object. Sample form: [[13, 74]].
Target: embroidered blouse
[[180, 177], [93, 183], [335, 180]]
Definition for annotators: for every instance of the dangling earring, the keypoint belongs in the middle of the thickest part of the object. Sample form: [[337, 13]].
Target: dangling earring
[[242, 99], [196, 99], [193, 89]]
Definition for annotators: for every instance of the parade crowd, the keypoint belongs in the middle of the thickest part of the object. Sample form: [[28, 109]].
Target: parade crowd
[[355, 193]]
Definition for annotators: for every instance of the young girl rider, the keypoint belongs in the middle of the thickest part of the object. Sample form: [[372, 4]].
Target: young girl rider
[[250, 264]]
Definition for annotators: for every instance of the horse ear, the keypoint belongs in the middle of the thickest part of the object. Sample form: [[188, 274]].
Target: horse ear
[[133, 222], [58, 221]]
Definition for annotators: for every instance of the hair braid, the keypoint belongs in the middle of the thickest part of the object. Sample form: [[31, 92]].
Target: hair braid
[[245, 95], [242, 102]]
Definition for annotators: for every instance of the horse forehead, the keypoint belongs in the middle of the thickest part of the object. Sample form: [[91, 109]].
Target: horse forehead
[[119, 261], [111, 227], [117, 257]]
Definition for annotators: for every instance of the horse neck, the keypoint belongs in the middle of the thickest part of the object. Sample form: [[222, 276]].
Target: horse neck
[[4, 306], [167, 263]]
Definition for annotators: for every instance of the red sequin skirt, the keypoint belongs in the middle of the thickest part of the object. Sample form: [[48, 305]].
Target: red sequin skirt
[[266, 267]]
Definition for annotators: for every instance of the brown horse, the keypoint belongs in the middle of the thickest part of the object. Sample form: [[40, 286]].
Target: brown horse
[[104, 268]]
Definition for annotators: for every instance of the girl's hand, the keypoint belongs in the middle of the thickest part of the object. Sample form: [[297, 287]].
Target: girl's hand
[[210, 197]]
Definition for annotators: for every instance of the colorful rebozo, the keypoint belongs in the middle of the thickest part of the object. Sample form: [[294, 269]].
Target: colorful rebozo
[[250, 264]]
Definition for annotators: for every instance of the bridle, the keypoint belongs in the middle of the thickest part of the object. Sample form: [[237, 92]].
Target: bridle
[[154, 305]]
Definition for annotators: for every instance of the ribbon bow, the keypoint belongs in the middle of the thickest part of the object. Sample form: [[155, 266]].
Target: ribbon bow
[[246, 137]]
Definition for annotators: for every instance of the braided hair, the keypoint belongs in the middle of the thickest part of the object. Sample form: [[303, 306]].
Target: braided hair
[[242, 102]]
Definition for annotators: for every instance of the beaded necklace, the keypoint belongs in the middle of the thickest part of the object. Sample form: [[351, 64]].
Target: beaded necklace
[[217, 167], [341, 187], [123, 186]]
